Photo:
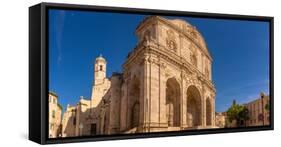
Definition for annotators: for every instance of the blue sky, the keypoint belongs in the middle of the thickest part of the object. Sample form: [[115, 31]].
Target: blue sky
[[240, 51]]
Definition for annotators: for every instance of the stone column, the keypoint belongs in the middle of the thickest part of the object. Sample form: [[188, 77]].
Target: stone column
[[183, 102], [146, 95], [141, 98], [204, 111], [154, 92], [123, 108], [204, 99], [162, 96], [213, 112], [127, 102]]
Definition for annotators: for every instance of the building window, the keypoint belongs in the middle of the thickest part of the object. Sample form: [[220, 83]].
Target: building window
[[93, 129], [101, 68], [53, 114], [74, 121]]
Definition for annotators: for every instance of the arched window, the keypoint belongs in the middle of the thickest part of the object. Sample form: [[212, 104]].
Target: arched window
[[101, 68], [53, 114]]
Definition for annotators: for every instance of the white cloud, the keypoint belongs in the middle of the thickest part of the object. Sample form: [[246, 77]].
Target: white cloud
[[59, 28]]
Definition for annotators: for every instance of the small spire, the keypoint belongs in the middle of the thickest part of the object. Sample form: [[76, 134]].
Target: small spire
[[262, 95], [100, 57]]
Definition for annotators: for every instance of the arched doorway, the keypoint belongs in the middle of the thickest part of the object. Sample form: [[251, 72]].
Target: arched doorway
[[135, 115], [173, 102], [193, 107], [208, 112], [134, 106]]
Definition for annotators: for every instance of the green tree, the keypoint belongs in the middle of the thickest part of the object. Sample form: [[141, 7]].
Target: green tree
[[239, 113], [267, 107]]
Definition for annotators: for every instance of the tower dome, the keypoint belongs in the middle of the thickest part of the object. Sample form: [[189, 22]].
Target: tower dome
[[100, 58], [100, 69]]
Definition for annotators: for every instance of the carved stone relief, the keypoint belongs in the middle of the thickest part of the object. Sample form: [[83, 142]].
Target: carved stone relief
[[171, 41]]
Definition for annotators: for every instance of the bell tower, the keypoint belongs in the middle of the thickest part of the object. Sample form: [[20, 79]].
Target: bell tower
[[100, 70], [101, 83]]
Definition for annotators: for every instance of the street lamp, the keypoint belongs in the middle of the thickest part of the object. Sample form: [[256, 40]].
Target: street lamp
[[262, 108]]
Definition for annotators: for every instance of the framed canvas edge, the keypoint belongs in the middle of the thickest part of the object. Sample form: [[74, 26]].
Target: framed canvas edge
[[44, 69]]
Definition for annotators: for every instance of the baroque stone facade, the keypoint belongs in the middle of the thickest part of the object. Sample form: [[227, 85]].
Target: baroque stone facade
[[166, 85]]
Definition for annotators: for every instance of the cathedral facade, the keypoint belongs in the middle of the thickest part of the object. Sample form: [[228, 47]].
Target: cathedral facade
[[165, 85]]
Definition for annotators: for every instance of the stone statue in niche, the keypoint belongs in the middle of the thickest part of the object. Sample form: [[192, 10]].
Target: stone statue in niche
[[147, 35], [193, 57]]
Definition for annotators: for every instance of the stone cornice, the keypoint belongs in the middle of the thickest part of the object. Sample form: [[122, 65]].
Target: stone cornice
[[152, 47]]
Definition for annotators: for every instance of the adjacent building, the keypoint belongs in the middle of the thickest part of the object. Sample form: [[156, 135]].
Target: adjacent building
[[221, 119], [259, 114], [55, 114]]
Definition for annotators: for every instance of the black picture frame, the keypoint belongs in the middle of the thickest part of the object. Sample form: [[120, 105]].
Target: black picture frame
[[38, 72]]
